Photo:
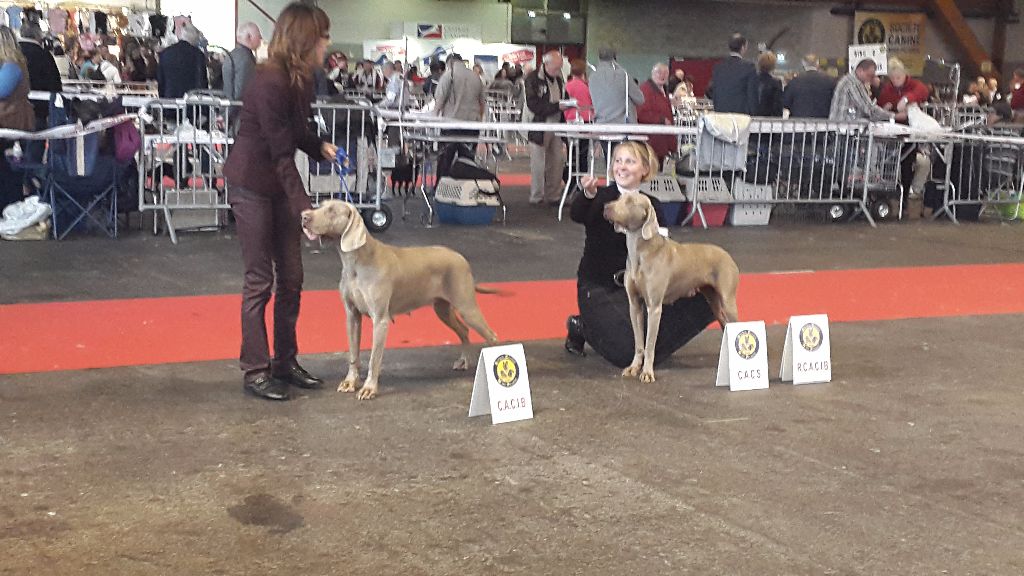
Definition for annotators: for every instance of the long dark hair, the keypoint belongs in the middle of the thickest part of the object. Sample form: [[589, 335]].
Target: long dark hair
[[293, 46]]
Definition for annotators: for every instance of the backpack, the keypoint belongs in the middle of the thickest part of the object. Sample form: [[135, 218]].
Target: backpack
[[463, 168], [126, 141], [95, 73]]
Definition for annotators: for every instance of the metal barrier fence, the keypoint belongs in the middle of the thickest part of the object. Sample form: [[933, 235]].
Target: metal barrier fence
[[351, 127], [842, 165], [184, 146], [851, 168], [982, 168], [957, 116]]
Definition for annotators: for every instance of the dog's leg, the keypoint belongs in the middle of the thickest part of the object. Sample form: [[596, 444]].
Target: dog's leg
[[653, 325], [380, 335], [451, 319], [636, 319], [354, 325]]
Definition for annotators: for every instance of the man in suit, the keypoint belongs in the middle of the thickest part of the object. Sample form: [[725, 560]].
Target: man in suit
[[734, 80], [809, 95], [182, 66], [241, 61]]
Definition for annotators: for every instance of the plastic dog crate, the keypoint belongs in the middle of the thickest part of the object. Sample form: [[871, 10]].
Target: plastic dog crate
[[467, 202], [750, 214], [714, 199], [666, 189]]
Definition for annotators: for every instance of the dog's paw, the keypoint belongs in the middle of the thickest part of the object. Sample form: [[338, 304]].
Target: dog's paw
[[348, 386], [631, 371], [367, 393], [461, 364], [647, 376]]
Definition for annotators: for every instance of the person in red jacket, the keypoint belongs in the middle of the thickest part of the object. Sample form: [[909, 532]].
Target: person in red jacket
[[1017, 96], [657, 109], [897, 94], [901, 90]]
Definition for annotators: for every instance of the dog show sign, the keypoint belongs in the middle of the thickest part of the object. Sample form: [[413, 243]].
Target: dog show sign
[[877, 52], [501, 387], [743, 358], [807, 353]]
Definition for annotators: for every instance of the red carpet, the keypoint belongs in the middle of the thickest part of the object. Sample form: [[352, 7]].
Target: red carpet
[[105, 333]]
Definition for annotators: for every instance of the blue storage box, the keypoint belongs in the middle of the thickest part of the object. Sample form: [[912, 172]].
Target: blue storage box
[[467, 215], [672, 212]]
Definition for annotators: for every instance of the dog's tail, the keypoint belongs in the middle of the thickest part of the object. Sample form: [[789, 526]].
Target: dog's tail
[[483, 290]]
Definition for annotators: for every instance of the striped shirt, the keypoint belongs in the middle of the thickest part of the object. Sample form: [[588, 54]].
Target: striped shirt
[[852, 102]]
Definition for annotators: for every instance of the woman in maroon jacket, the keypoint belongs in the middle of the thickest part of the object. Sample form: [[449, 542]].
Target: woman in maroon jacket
[[267, 196]]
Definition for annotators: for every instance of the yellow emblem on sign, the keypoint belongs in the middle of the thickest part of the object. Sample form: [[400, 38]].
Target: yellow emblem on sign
[[747, 344], [872, 31], [810, 337], [506, 370]]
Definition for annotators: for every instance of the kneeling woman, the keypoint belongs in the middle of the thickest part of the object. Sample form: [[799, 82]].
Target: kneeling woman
[[604, 307]]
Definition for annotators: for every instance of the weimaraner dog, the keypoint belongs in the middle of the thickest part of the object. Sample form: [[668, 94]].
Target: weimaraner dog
[[382, 281], [660, 271]]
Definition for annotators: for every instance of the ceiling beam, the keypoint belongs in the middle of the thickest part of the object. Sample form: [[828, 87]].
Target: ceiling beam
[[948, 16]]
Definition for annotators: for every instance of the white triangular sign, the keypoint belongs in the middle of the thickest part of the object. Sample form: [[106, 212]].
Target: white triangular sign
[[501, 387], [807, 353], [743, 357]]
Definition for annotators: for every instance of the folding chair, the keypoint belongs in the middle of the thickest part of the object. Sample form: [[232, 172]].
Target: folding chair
[[82, 186]]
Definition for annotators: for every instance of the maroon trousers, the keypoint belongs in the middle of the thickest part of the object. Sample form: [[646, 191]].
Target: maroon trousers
[[270, 235]]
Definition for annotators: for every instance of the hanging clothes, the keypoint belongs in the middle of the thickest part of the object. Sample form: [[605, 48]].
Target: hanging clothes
[[14, 17], [158, 25], [138, 24], [100, 19], [58, 20]]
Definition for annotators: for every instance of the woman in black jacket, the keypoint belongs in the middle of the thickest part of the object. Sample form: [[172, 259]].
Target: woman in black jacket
[[769, 88], [603, 321]]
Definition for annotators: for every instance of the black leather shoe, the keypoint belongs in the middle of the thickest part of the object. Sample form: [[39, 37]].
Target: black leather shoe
[[296, 376], [574, 341], [266, 386]]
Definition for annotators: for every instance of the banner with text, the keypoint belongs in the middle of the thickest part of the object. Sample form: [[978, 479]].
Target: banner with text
[[902, 32]]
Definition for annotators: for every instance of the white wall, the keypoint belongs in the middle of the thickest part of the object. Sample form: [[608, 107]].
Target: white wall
[[353, 21]]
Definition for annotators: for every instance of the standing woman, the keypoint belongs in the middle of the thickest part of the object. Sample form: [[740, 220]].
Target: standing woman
[[16, 111], [267, 196]]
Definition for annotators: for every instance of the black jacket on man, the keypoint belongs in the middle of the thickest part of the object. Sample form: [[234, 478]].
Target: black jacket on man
[[182, 68], [734, 86], [538, 100], [42, 75], [809, 95]]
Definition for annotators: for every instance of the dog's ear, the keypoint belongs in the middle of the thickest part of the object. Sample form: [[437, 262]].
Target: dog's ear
[[650, 227], [354, 235]]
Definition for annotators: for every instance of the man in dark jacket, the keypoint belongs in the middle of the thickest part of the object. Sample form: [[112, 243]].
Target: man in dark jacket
[[545, 88], [43, 74], [734, 80], [809, 95], [182, 66]]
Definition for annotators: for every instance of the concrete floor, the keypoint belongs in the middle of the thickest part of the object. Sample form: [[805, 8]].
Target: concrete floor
[[909, 462]]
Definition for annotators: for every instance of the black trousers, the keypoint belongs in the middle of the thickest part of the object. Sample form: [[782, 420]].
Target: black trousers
[[270, 235], [606, 326]]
